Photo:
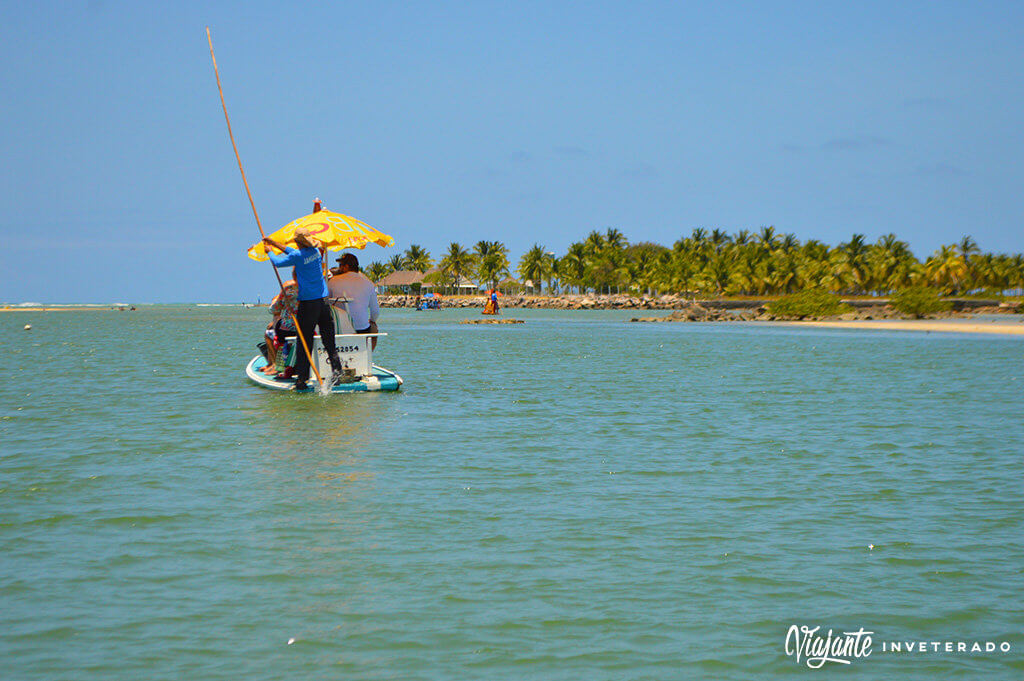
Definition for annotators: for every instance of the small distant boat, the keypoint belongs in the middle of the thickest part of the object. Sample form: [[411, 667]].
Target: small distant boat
[[355, 350]]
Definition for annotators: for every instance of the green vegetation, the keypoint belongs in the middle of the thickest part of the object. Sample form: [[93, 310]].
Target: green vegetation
[[919, 301], [716, 263], [812, 302], [491, 262], [457, 265], [377, 271], [416, 258]]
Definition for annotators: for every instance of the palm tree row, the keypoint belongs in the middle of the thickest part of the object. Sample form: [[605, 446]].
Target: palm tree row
[[718, 263], [745, 263], [487, 264]]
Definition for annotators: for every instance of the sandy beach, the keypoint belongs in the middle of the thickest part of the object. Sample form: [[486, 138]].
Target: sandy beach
[[69, 308], [927, 325]]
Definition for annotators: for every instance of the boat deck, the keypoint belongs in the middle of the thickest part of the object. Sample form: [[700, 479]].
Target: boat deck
[[381, 380]]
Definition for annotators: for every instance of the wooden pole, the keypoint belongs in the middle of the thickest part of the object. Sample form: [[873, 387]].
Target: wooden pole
[[259, 225]]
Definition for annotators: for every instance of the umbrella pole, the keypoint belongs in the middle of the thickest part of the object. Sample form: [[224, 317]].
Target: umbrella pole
[[259, 225]]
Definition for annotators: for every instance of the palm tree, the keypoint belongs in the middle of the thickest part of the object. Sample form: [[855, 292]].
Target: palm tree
[[396, 263], [889, 264], [377, 271], [552, 271], [613, 238], [608, 269], [987, 272], [946, 269], [417, 258], [854, 258], [1015, 272], [492, 262], [573, 266], [457, 263], [718, 274], [534, 266], [644, 265], [767, 238], [968, 247], [719, 238], [594, 242]]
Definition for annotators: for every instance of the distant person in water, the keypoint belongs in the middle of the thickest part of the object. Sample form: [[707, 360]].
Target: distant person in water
[[352, 284], [313, 310]]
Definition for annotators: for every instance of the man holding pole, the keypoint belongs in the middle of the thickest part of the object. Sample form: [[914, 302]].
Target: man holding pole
[[314, 310]]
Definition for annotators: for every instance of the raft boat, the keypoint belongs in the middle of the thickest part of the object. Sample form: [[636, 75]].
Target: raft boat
[[355, 350]]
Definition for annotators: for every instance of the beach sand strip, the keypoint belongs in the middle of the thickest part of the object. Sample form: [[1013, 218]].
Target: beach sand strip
[[1000, 328]]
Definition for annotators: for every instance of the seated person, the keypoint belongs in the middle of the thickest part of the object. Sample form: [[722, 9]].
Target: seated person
[[352, 284], [284, 307]]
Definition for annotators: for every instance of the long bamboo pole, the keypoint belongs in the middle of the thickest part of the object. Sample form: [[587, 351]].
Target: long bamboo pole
[[259, 225]]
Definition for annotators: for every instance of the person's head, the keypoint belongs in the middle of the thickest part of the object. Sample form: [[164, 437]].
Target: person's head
[[348, 263], [304, 239], [290, 284]]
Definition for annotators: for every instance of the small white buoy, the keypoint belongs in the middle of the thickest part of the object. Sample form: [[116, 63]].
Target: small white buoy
[[28, 327], [291, 641], [871, 547]]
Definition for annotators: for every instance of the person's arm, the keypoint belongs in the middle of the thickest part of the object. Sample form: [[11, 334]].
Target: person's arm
[[289, 257], [267, 241], [374, 306]]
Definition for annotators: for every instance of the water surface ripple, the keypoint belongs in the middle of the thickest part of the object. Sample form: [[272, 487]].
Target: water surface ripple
[[573, 498]]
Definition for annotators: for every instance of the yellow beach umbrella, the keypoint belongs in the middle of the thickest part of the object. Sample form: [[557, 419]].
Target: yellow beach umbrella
[[334, 230]]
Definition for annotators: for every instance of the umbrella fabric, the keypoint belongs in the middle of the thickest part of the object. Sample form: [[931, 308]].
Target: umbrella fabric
[[334, 230]]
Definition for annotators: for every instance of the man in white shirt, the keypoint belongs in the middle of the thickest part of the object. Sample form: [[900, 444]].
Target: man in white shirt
[[350, 283]]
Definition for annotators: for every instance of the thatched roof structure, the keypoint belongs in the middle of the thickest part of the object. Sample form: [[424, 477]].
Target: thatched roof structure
[[402, 278]]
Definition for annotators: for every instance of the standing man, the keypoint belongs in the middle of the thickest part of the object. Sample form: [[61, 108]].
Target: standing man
[[362, 295], [314, 310]]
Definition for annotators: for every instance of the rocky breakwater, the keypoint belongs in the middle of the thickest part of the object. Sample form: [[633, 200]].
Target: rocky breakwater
[[695, 312], [720, 310], [572, 301], [620, 301], [389, 300]]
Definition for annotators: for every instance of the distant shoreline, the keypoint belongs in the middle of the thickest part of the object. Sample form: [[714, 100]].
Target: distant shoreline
[[967, 323], [926, 325], [63, 308]]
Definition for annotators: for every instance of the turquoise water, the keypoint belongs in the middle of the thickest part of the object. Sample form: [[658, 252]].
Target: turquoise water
[[572, 498]]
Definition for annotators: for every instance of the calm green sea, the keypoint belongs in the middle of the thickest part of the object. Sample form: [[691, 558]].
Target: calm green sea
[[572, 498]]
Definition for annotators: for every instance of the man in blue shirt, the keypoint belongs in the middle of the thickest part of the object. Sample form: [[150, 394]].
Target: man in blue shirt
[[314, 310]]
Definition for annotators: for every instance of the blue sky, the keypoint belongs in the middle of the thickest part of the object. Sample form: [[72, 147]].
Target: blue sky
[[519, 121]]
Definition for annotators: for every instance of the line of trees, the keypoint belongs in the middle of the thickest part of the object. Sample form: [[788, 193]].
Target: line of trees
[[717, 263], [486, 263]]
